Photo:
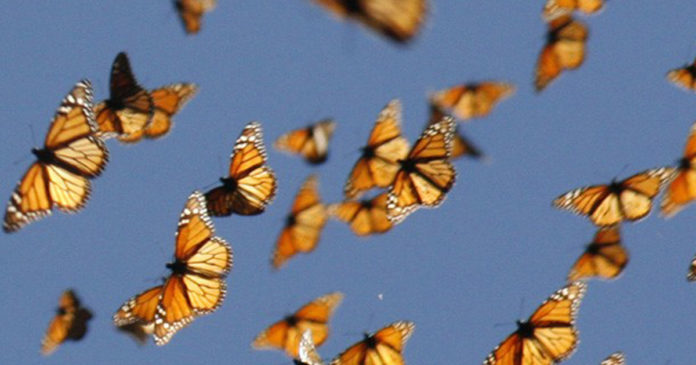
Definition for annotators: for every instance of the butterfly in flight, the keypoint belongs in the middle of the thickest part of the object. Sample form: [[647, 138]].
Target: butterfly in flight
[[604, 257], [196, 285], [72, 154], [461, 146], [564, 50], [307, 352], [616, 358], [286, 334], [365, 217], [682, 188], [378, 162], [303, 225], [191, 12], [473, 100], [398, 20], [556, 8], [607, 205], [69, 323], [251, 184], [383, 347], [311, 142], [684, 77], [426, 174], [548, 336], [691, 275]]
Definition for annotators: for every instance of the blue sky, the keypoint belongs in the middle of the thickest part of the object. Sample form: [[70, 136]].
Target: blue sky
[[461, 272]]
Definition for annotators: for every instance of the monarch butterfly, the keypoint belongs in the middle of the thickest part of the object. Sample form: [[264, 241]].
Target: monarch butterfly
[[461, 146], [425, 175], [378, 164], [71, 155], [251, 184], [548, 336], [308, 354], [69, 323], [682, 189], [691, 276], [129, 108], [167, 101], [368, 216], [555, 8], [684, 76], [564, 50], [312, 141], [616, 358], [285, 334], [302, 226], [474, 100], [604, 257], [629, 199], [196, 285], [382, 347], [191, 12], [398, 20]]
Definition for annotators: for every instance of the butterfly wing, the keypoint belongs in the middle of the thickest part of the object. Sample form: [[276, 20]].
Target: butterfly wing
[[682, 188], [364, 217], [472, 100], [691, 275], [191, 12], [389, 343], [140, 309], [596, 202], [311, 142], [605, 257], [556, 8], [307, 352], [639, 190], [616, 358], [565, 49], [684, 77]]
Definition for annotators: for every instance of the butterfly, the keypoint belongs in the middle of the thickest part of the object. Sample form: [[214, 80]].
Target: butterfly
[[461, 146], [383, 347], [251, 184], [191, 12], [303, 225], [564, 50], [398, 20], [548, 336], [307, 352], [691, 276], [684, 76], [604, 257], [365, 217], [286, 334], [556, 8], [474, 100], [629, 199], [426, 174], [312, 141], [378, 164], [196, 285], [616, 358], [69, 323], [72, 154], [682, 188], [167, 101]]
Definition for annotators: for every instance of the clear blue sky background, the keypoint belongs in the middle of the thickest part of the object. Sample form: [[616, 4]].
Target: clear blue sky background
[[456, 271]]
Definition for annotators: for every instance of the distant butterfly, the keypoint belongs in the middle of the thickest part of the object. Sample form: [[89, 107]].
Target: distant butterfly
[[629, 199], [461, 146], [548, 336], [604, 257], [71, 155], [303, 225], [69, 323], [365, 217], [691, 276], [378, 162], [473, 100], [129, 108], [383, 347], [196, 285], [556, 8], [616, 358], [312, 141], [425, 175], [564, 50], [308, 354], [285, 334], [167, 100], [191, 12], [251, 184], [682, 189], [398, 20], [684, 77]]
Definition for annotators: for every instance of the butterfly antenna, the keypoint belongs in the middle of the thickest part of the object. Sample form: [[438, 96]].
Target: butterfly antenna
[[500, 324], [33, 136], [623, 169], [519, 314]]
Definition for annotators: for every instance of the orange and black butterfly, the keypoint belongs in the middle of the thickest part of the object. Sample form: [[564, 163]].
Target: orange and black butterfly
[[548, 336], [251, 184], [684, 76], [682, 189], [302, 226], [69, 323], [556, 8], [607, 205], [604, 257], [191, 12], [129, 108], [616, 358], [196, 285], [72, 154], [461, 146], [398, 20], [564, 50], [378, 162], [286, 334], [167, 101], [311, 142], [382, 347], [426, 174], [365, 217], [308, 354], [474, 100]]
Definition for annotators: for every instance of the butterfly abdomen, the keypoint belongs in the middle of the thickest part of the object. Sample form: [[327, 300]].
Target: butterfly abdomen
[[525, 330], [291, 320], [368, 152], [685, 163], [290, 220], [408, 165]]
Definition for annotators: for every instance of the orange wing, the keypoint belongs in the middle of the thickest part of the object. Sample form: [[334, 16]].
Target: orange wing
[[365, 217], [191, 12], [303, 226], [384, 347], [70, 322], [311, 142], [477, 100], [605, 257], [461, 146], [564, 50], [139, 310], [684, 77], [556, 8], [682, 188]]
